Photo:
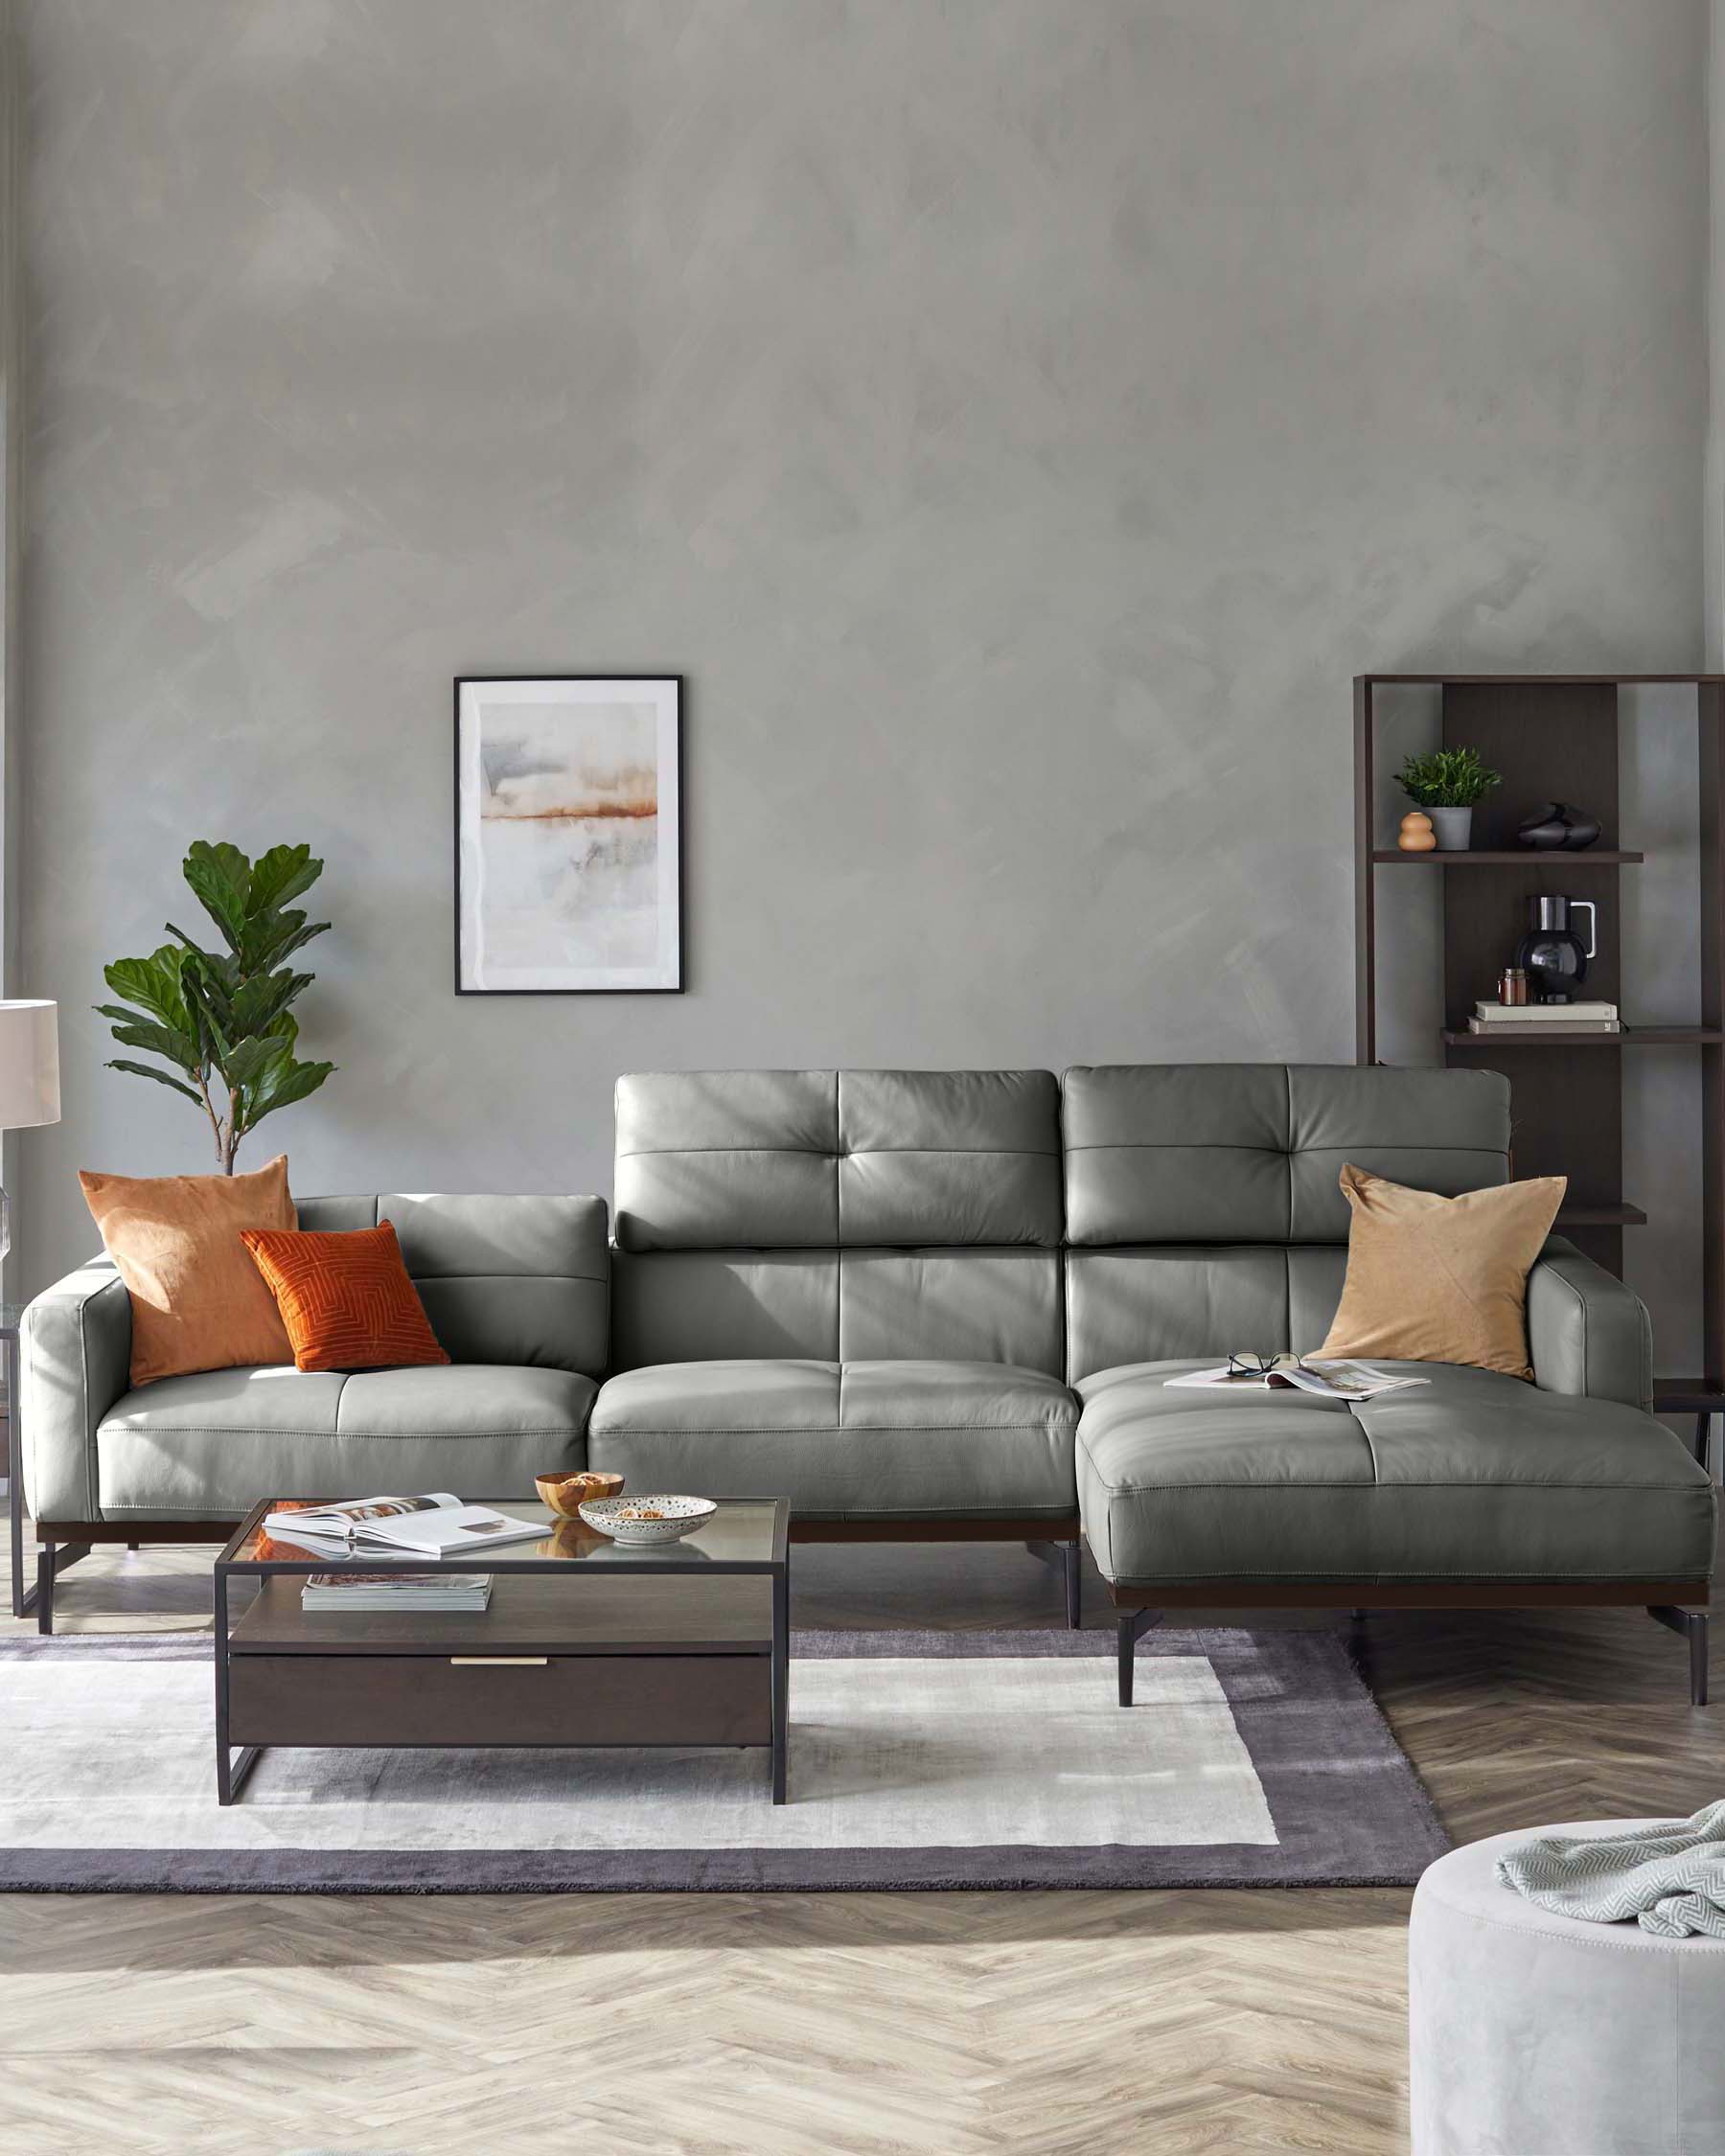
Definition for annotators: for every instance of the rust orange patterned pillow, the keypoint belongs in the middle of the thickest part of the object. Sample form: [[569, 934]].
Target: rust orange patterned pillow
[[345, 1297]]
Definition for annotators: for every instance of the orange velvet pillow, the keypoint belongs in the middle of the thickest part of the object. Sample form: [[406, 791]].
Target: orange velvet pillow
[[196, 1301], [345, 1298]]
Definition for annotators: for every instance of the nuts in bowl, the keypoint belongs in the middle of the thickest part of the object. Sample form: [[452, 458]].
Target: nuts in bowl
[[639, 1520]]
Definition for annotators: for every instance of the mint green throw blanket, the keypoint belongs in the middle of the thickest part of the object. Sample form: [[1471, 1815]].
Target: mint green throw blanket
[[1668, 1876]]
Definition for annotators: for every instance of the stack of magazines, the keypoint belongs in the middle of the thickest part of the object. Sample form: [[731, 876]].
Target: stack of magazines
[[1526, 1022], [396, 1591]]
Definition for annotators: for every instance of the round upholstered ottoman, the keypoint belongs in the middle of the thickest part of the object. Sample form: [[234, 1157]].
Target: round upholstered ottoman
[[1538, 2035]]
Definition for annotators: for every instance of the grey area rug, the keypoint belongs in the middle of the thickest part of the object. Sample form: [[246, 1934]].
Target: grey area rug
[[918, 1760]]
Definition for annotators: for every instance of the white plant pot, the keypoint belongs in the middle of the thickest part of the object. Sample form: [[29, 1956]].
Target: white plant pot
[[1454, 828]]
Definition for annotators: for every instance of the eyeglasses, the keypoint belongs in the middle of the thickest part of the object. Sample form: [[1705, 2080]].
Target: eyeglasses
[[1262, 1366]]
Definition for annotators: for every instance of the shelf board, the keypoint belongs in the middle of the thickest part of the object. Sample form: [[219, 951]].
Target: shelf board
[[1561, 1037], [1514, 856], [1688, 1395], [1601, 1216], [1535, 681]]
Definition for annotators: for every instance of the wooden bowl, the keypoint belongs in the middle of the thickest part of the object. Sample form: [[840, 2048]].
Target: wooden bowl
[[567, 1494]]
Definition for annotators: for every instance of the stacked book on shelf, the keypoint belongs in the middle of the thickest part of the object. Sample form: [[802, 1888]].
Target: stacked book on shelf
[[396, 1591], [1526, 1021]]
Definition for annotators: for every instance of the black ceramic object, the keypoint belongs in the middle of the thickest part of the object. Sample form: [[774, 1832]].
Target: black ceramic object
[[1552, 955], [1557, 827]]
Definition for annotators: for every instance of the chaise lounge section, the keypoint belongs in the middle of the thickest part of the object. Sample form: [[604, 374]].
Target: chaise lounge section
[[1204, 1213]]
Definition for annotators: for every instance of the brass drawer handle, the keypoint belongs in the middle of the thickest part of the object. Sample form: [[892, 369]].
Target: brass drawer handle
[[498, 1662]]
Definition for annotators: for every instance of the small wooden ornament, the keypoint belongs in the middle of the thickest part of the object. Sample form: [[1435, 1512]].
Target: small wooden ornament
[[1417, 834]]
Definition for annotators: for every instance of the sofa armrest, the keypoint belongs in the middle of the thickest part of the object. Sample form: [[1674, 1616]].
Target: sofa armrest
[[1587, 1332], [76, 1362]]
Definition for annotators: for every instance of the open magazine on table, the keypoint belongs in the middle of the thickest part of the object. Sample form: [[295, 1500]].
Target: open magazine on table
[[1331, 1378], [437, 1525]]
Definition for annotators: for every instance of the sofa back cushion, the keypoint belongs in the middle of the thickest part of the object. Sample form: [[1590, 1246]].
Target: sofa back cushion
[[844, 1215], [516, 1280], [1203, 1207]]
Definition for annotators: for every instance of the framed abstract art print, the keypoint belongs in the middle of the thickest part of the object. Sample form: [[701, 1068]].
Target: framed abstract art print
[[568, 835]]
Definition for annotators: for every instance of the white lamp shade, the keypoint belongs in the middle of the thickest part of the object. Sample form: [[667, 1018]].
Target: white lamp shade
[[29, 1064]]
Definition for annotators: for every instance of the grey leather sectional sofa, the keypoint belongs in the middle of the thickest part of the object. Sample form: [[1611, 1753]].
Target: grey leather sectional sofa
[[940, 1305]]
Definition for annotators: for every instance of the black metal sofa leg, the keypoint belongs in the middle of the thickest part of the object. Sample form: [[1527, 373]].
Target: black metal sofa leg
[[1067, 1555], [1690, 1625], [1134, 1624], [52, 1559]]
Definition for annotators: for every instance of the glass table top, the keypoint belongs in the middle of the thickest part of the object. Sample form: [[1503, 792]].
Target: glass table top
[[743, 1532]]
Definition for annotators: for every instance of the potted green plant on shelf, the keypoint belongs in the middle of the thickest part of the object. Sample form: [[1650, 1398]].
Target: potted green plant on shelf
[[219, 1019], [1447, 782]]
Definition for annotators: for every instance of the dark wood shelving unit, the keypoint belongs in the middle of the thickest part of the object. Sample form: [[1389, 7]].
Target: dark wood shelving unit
[[1550, 734]]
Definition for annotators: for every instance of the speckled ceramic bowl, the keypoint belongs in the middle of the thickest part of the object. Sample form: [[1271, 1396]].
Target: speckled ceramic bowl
[[641, 1521]]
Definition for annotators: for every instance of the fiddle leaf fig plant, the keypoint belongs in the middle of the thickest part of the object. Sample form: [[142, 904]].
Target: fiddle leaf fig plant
[[219, 1019]]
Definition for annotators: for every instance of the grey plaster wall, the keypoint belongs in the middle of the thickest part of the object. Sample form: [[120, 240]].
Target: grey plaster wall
[[1018, 420]]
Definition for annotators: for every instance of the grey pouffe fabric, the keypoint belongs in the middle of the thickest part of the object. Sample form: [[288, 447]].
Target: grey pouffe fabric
[[1534, 2035]]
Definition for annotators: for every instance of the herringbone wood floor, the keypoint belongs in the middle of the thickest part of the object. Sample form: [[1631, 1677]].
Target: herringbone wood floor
[[787, 2024]]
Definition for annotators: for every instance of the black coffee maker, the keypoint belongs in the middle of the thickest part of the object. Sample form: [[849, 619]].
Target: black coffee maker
[[1553, 954]]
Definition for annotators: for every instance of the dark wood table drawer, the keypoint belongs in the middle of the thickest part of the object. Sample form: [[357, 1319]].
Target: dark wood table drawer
[[351, 1699]]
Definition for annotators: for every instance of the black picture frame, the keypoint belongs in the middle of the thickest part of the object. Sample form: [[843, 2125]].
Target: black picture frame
[[677, 687]]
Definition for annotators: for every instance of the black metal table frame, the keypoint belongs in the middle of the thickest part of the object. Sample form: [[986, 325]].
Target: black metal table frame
[[231, 1773]]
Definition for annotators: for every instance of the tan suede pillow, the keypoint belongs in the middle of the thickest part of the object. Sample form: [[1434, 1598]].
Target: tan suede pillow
[[1435, 1279], [197, 1300]]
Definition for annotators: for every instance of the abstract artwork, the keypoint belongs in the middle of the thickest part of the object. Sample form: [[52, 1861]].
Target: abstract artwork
[[568, 835]]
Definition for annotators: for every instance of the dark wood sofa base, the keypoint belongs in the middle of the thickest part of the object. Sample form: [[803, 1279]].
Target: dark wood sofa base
[[63, 1541], [1680, 1605]]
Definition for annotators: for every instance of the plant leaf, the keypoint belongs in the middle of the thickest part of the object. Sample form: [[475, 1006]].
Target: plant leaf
[[153, 983], [277, 937], [220, 877], [161, 1077], [263, 998], [247, 1060], [217, 965], [282, 1085], [175, 1048], [280, 875]]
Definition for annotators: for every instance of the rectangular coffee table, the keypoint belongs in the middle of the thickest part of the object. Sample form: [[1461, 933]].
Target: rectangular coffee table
[[585, 1643]]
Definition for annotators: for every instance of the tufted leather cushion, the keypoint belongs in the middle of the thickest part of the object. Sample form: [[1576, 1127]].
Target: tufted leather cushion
[[826, 1160], [1250, 1152], [852, 1214], [1203, 1204]]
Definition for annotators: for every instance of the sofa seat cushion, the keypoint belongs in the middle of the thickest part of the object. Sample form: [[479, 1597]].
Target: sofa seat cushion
[[867, 1440], [1472, 1476], [213, 1445]]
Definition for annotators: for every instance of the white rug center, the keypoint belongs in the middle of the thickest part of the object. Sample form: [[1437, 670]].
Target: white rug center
[[886, 1752]]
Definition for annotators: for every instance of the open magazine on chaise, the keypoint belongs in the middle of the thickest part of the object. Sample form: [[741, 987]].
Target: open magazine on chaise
[[1331, 1378]]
